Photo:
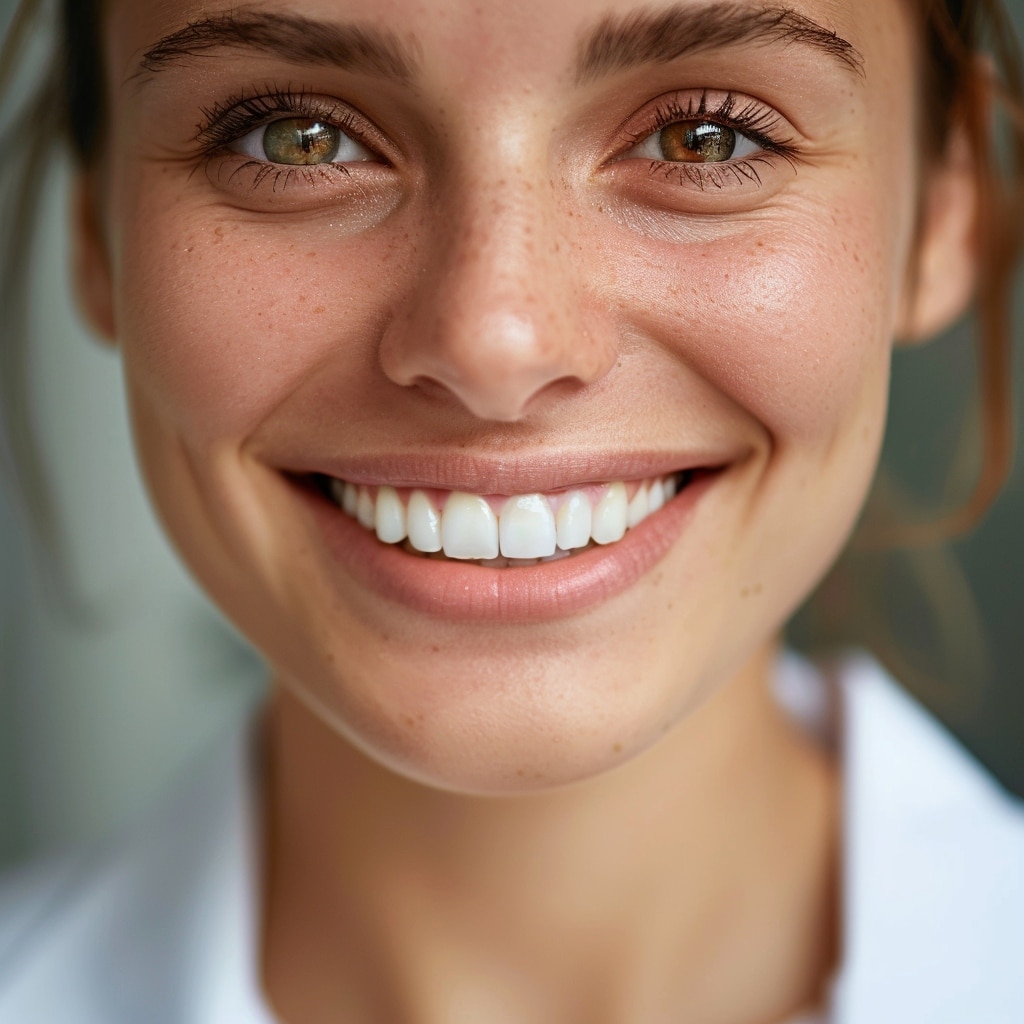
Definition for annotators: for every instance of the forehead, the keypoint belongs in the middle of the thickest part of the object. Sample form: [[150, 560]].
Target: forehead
[[496, 46]]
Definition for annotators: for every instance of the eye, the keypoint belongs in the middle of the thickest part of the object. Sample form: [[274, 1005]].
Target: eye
[[694, 142], [301, 142]]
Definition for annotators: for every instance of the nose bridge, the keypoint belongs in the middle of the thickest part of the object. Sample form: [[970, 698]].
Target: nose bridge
[[506, 266], [498, 315]]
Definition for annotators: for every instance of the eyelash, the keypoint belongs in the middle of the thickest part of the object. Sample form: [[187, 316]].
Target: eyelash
[[752, 119], [225, 122]]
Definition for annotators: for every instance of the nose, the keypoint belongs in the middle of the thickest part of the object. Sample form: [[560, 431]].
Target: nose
[[501, 319]]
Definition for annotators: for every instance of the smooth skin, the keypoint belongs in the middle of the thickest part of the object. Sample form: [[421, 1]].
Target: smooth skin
[[600, 817]]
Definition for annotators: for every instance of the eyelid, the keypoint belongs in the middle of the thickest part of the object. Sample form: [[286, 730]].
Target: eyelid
[[746, 115], [227, 123]]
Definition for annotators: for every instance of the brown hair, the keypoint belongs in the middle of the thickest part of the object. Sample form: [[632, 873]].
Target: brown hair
[[960, 89]]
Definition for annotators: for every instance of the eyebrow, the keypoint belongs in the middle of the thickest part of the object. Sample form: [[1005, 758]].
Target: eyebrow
[[658, 36], [290, 36]]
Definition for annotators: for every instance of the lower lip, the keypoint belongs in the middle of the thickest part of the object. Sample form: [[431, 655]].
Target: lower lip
[[465, 592]]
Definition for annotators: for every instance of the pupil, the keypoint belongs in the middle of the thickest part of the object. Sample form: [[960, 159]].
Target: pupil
[[697, 142], [298, 140]]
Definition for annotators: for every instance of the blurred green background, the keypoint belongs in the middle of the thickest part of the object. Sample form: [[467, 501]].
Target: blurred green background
[[103, 697]]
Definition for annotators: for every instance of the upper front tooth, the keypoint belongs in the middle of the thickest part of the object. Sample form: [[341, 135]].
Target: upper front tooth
[[526, 527], [573, 521], [390, 516], [423, 522], [609, 523], [636, 512], [469, 529]]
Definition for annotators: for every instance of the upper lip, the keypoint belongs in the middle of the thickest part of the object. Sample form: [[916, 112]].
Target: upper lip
[[511, 473]]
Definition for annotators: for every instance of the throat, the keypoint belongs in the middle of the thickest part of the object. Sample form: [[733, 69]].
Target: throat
[[407, 903]]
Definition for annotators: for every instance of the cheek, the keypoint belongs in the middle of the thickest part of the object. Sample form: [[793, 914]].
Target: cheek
[[223, 320], [789, 318]]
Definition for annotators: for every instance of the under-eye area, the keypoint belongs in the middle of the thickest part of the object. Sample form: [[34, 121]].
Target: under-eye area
[[502, 531]]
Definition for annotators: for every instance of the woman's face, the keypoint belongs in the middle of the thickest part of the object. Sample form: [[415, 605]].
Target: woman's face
[[508, 251]]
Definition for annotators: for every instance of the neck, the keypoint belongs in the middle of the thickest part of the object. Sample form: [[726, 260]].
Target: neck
[[694, 883]]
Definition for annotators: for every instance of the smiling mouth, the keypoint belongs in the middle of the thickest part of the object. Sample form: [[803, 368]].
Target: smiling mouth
[[501, 531]]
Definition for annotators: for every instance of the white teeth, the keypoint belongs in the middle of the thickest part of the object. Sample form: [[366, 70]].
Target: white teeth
[[610, 515], [526, 527], [350, 499], [469, 529], [365, 511], [526, 531], [573, 521], [424, 523], [655, 497], [390, 517], [636, 511]]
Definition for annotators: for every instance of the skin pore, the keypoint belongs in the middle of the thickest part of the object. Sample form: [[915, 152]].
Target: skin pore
[[485, 802]]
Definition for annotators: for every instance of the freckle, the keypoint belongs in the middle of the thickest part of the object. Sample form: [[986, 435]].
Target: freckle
[[435, 648], [617, 748], [669, 606], [311, 255], [757, 588], [409, 720], [320, 309], [745, 592], [521, 773], [385, 638]]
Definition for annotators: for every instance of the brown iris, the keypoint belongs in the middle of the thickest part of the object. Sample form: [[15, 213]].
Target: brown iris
[[697, 142], [300, 140]]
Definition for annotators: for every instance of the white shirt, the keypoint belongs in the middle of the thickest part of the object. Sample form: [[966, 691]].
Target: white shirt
[[160, 928]]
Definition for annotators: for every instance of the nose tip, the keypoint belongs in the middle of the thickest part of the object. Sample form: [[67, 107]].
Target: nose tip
[[499, 318], [499, 370]]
